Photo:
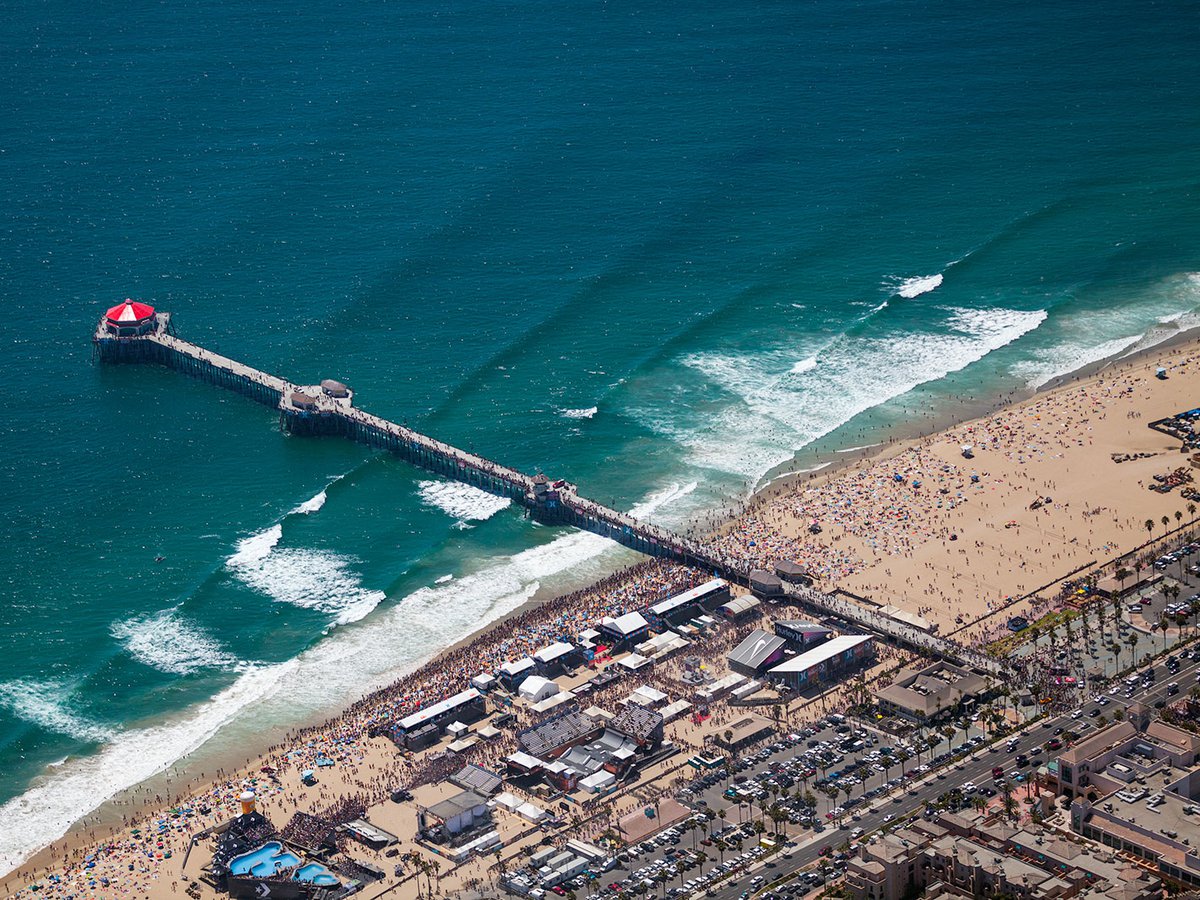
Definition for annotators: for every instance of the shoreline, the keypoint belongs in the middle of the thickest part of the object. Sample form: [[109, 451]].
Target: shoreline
[[107, 819], [837, 462]]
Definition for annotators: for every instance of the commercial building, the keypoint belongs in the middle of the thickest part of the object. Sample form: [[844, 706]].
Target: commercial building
[[793, 572], [513, 672], [1136, 788], [922, 694], [556, 658], [801, 634], [765, 584], [424, 727], [626, 630], [957, 856], [455, 820], [758, 652], [682, 607], [835, 656], [748, 730]]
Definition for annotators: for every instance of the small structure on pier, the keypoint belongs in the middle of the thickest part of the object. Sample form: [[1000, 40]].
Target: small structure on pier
[[129, 319], [301, 400], [334, 388]]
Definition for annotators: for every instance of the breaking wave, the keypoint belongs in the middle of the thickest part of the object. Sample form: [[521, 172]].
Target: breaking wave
[[461, 501], [169, 643]]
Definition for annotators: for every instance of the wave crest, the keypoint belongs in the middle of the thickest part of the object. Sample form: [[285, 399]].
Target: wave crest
[[461, 501], [46, 704], [908, 288], [579, 413]]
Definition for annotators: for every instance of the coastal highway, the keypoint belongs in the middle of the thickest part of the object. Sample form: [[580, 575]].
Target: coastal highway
[[977, 768]]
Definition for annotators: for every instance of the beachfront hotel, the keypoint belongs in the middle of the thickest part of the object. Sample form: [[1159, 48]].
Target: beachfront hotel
[[1135, 787]]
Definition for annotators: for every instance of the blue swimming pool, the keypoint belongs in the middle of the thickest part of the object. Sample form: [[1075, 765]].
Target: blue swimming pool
[[268, 859], [317, 874]]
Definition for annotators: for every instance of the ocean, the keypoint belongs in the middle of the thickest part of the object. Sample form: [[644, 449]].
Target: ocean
[[664, 251]]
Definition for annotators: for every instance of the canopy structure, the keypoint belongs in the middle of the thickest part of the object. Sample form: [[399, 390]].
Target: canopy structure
[[129, 313]]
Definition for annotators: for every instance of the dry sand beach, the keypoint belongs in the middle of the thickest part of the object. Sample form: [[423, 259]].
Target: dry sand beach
[[916, 525]]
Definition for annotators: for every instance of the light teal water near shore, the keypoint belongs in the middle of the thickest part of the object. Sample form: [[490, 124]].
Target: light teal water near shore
[[657, 251]]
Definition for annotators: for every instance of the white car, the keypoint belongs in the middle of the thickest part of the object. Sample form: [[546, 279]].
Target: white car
[[968, 787]]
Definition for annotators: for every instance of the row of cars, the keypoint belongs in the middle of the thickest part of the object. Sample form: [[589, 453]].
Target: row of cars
[[1175, 556]]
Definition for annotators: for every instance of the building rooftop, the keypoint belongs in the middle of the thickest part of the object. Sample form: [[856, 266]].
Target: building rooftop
[[696, 594], [565, 728], [757, 647], [636, 721], [422, 716], [630, 623], [476, 778], [822, 653], [557, 650], [459, 803], [935, 687]]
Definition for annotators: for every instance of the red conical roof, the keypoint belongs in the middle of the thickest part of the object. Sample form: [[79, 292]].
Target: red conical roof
[[130, 312]]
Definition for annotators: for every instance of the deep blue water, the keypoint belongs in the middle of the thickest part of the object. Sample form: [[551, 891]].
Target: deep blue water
[[736, 231]]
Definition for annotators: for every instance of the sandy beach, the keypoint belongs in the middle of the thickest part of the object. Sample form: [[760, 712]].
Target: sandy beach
[[914, 524]]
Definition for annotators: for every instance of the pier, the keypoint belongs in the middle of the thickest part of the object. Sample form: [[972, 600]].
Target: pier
[[328, 409], [136, 333]]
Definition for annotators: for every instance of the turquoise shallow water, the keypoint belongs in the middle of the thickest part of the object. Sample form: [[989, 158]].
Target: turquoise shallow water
[[656, 251]]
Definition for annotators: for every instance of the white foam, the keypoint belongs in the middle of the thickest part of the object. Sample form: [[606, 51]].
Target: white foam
[[1064, 359], [773, 410], [660, 498], [256, 547], [579, 413], [805, 365], [168, 642], [48, 808], [1168, 305], [918, 285], [443, 579], [461, 501], [46, 704], [311, 505], [311, 579]]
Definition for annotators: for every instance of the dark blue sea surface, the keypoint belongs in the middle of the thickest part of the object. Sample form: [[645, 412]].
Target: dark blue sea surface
[[661, 250]]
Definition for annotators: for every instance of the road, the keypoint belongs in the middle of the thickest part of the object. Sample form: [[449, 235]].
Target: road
[[977, 769]]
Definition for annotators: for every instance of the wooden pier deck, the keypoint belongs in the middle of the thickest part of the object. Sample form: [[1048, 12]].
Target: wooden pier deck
[[313, 409]]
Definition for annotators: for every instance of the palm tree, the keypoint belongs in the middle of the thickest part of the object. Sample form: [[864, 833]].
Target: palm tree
[[779, 816], [1165, 523], [1150, 527], [721, 848], [1010, 803], [1121, 574]]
